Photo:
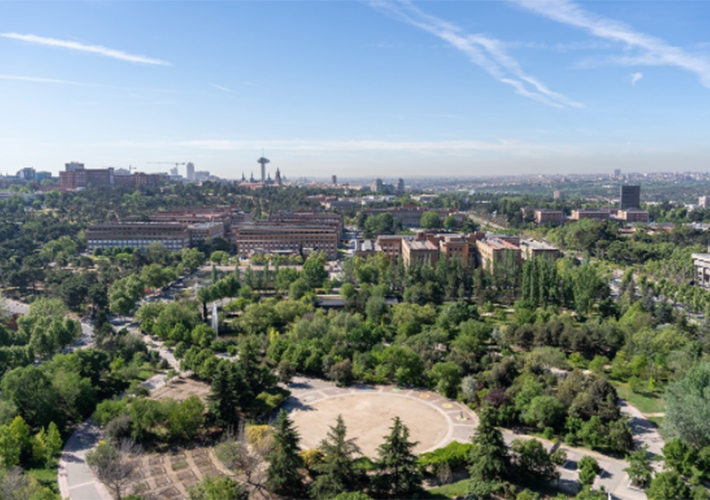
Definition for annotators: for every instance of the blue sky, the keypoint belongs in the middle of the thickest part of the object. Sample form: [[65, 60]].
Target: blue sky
[[354, 88]]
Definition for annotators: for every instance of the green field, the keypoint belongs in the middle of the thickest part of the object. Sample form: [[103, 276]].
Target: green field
[[647, 402], [453, 490]]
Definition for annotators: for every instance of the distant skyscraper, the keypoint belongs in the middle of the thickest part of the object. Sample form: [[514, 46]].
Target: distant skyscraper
[[277, 178], [190, 172], [630, 197], [617, 173], [263, 161], [557, 195], [400, 186], [26, 174], [72, 166], [334, 180]]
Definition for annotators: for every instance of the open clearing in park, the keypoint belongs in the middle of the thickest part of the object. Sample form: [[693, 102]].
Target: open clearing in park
[[368, 417]]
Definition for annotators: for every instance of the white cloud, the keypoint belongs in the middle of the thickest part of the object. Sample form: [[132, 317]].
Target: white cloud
[[486, 52], [219, 87], [446, 146], [635, 77], [643, 49], [94, 49], [34, 79]]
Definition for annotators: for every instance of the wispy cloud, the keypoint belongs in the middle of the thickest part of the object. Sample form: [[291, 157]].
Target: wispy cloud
[[643, 49], [34, 79], [635, 77], [93, 49], [445, 146], [486, 52], [219, 87]]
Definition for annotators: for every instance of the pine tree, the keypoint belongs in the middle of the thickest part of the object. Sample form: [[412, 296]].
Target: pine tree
[[283, 477], [223, 400], [489, 457], [398, 475], [337, 472]]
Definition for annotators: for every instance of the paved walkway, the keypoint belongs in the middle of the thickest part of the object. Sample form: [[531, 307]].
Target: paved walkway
[[76, 481], [463, 422]]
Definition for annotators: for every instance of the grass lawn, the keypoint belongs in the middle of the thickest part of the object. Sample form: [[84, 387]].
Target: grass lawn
[[657, 420], [647, 402], [453, 490]]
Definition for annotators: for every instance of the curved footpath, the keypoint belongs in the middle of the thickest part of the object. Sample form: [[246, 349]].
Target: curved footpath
[[306, 391]]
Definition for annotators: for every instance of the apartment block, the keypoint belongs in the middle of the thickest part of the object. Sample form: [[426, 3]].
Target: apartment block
[[417, 252], [701, 264], [138, 235], [594, 214], [310, 219], [200, 231], [546, 217], [633, 215], [272, 237], [532, 249], [84, 177], [495, 250], [411, 215]]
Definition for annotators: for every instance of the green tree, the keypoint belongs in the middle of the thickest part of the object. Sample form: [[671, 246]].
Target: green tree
[[218, 488], [532, 462], [687, 408], [640, 469], [314, 271], [225, 391], [544, 411], [680, 457], [488, 459], [284, 474], [192, 258], [53, 443], [446, 378], [397, 472], [298, 289], [124, 294], [186, 419], [285, 276], [10, 447], [588, 470], [668, 486], [430, 220], [450, 223], [32, 393], [337, 472]]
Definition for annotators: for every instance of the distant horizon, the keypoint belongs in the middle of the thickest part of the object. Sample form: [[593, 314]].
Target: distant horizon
[[389, 88]]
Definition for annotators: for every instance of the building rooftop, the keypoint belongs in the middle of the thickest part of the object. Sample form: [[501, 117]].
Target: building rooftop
[[500, 244], [536, 245], [421, 245]]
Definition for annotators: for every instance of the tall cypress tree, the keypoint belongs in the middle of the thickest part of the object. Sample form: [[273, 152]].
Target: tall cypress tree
[[337, 472], [398, 475], [284, 477], [489, 457], [223, 400]]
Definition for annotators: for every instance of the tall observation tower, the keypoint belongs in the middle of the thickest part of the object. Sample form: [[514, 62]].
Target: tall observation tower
[[263, 161]]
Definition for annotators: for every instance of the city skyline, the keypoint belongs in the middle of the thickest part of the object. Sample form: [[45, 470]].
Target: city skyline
[[357, 89]]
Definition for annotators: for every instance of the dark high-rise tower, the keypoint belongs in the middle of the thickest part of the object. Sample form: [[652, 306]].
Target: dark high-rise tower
[[630, 197]]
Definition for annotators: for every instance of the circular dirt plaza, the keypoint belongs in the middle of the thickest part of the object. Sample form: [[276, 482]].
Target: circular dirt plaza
[[433, 421]]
